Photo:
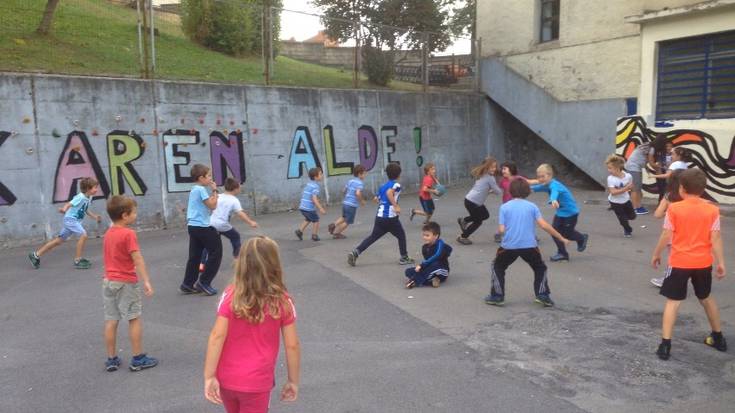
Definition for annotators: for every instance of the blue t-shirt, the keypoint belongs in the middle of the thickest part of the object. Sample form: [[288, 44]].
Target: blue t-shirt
[[558, 192], [354, 185], [197, 214], [519, 217], [79, 205], [385, 208], [311, 189]]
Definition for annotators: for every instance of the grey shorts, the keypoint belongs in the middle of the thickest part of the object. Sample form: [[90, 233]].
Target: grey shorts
[[122, 301], [637, 180]]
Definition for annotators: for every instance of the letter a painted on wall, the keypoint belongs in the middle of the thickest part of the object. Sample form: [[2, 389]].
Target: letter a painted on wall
[[334, 167], [6, 197], [303, 153], [367, 142], [176, 159], [227, 154], [122, 150], [77, 161]]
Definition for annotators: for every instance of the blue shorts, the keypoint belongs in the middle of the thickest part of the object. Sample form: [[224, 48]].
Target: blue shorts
[[348, 213], [310, 216], [71, 226], [427, 205]]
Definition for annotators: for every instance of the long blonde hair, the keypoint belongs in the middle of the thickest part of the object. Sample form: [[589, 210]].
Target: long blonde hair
[[486, 166], [258, 282]]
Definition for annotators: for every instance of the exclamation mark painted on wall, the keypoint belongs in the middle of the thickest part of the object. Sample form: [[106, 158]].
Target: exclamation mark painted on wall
[[417, 145]]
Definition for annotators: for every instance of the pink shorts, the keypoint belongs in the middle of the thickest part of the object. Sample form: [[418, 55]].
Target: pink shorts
[[242, 402]]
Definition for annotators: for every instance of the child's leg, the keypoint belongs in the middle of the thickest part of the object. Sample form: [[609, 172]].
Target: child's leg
[[669, 318], [234, 238], [532, 256], [503, 259], [379, 229], [196, 245], [558, 225], [396, 229], [49, 246], [426, 274], [80, 246], [111, 337], [713, 313], [622, 215], [213, 244], [478, 214], [339, 222], [135, 331], [340, 227], [315, 228], [303, 226], [702, 283]]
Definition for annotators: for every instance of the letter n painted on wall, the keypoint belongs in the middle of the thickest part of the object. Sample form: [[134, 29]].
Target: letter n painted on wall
[[6, 197], [227, 153], [303, 153], [367, 142], [77, 161], [177, 160], [122, 149], [334, 167]]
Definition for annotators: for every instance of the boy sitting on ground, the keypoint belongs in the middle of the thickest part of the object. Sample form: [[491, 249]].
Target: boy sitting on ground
[[434, 269]]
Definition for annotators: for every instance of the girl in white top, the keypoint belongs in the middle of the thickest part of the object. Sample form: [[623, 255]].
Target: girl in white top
[[619, 184], [681, 158]]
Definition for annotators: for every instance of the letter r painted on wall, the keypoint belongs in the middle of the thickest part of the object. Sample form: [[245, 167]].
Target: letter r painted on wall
[[122, 149], [334, 167], [6, 196], [303, 153], [77, 161], [177, 159], [227, 153]]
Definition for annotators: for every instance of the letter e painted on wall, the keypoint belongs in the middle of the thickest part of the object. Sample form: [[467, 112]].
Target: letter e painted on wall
[[303, 153], [177, 160], [334, 167], [77, 161], [227, 153], [367, 143], [389, 133], [6, 196], [122, 149]]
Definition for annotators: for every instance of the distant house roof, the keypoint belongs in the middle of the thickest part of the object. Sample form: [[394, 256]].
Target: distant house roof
[[322, 38]]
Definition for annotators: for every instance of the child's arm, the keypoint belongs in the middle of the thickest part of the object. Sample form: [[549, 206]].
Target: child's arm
[[533, 181], [660, 211], [665, 175], [143, 272], [392, 199], [618, 191], [94, 216], [315, 199], [358, 194], [501, 229], [211, 202], [65, 208], [716, 238], [426, 188], [548, 228], [214, 350], [290, 391], [662, 241], [246, 219]]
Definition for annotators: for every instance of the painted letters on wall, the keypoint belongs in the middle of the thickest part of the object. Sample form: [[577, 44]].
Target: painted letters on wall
[[334, 167], [6, 196], [77, 161], [389, 133], [367, 143], [303, 154], [123, 148], [227, 153], [178, 160]]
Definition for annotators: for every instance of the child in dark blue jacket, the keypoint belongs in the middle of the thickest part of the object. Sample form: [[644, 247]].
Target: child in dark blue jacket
[[434, 269]]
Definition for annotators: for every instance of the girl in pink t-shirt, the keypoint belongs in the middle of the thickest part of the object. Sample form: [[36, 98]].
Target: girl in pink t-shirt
[[241, 357], [427, 188]]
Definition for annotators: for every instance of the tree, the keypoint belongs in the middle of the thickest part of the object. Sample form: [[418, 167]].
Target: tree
[[463, 19], [48, 17]]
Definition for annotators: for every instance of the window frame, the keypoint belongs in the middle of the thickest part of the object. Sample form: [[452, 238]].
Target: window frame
[[552, 21]]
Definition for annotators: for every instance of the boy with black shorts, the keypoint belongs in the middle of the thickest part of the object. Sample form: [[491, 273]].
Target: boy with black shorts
[[693, 226]]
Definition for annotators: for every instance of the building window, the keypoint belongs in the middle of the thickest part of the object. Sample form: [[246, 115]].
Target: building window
[[696, 77], [549, 20]]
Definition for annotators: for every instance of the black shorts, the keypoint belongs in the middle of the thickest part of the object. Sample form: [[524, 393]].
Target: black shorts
[[675, 283], [427, 205]]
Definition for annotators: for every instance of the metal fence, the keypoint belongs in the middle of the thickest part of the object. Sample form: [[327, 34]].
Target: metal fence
[[241, 43]]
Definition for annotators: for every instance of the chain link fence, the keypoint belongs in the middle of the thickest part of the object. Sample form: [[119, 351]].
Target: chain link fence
[[231, 41]]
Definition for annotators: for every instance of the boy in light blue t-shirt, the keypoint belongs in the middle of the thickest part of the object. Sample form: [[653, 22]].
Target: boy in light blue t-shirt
[[309, 204], [518, 219], [353, 200]]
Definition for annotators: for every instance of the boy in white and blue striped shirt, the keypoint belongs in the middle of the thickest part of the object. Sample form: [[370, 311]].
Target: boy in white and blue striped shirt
[[353, 200], [309, 204]]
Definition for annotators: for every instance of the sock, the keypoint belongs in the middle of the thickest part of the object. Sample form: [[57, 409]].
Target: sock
[[717, 335], [666, 342]]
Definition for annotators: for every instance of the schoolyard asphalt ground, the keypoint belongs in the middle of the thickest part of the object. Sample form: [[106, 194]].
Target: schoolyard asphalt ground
[[369, 345]]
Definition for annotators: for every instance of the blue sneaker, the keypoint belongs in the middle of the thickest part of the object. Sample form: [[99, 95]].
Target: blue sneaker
[[142, 361], [581, 246], [498, 300], [641, 211], [112, 363], [559, 257], [544, 299], [205, 289]]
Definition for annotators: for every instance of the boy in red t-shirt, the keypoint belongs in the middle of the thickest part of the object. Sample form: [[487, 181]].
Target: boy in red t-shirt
[[427, 188], [693, 226], [120, 288]]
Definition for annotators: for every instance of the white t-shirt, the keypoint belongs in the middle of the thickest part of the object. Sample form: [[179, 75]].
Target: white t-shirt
[[226, 206], [678, 165], [617, 183]]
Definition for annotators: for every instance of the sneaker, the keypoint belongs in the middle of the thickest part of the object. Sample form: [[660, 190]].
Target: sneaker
[[559, 257], [436, 282], [185, 289], [498, 238], [413, 214], [462, 224], [352, 257], [581, 246], [338, 236], [658, 282], [406, 260], [544, 299], [142, 361], [35, 260], [315, 238], [498, 300], [664, 351], [205, 289], [112, 363], [330, 228], [82, 264], [410, 284], [464, 241], [299, 234], [720, 345], [641, 211], [627, 234]]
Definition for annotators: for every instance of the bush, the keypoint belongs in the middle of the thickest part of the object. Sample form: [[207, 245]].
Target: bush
[[378, 65]]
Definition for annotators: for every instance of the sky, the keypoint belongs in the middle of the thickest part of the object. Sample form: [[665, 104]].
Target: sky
[[299, 26]]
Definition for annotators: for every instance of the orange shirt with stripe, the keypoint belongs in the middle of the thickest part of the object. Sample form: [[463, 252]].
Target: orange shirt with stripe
[[691, 222]]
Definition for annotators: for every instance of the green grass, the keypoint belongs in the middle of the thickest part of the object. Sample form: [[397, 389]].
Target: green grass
[[94, 37]]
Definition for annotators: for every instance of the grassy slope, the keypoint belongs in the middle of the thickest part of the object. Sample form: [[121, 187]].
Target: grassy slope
[[93, 37]]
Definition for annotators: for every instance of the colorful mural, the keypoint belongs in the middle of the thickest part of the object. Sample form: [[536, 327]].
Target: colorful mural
[[720, 169]]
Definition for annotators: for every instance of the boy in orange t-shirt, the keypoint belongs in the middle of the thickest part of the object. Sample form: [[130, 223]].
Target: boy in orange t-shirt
[[693, 225]]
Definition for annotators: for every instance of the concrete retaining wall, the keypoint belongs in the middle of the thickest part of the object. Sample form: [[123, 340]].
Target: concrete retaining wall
[[140, 138]]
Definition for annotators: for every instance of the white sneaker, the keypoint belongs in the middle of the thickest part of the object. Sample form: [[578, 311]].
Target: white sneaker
[[658, 282]]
